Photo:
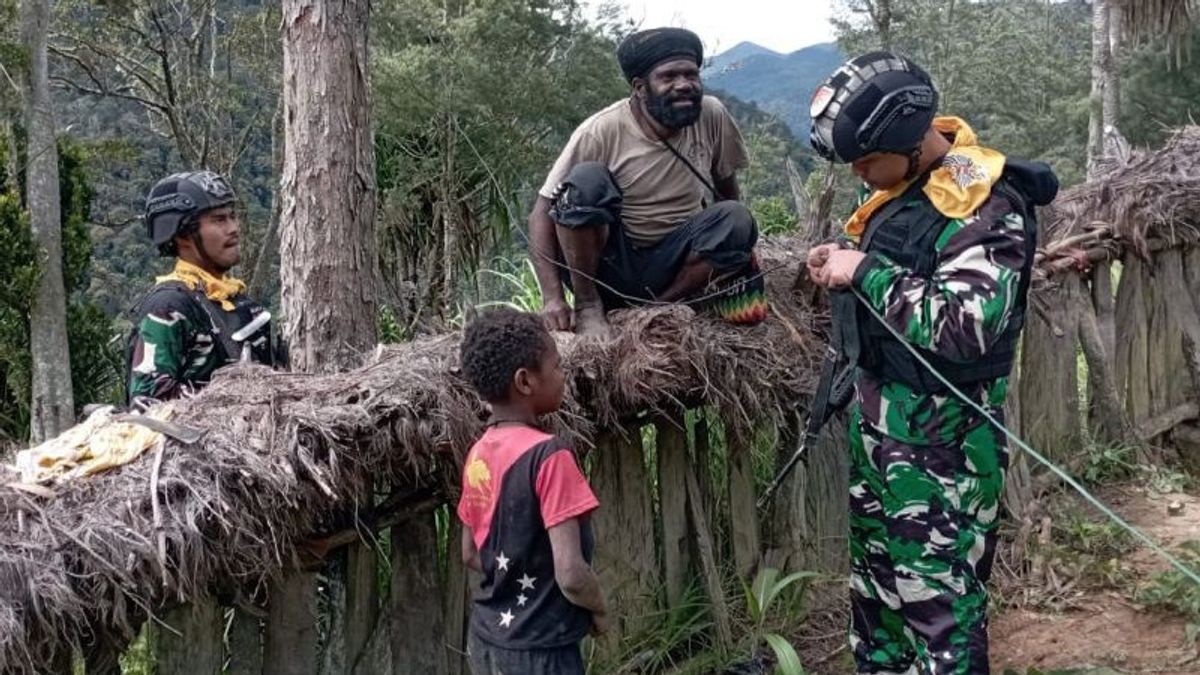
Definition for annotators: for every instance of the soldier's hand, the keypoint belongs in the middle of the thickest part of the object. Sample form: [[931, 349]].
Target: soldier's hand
[[837, 270], [557, 315], [818, 255]]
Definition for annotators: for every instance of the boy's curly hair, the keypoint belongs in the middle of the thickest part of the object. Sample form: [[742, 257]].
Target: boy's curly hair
[[496, 345]]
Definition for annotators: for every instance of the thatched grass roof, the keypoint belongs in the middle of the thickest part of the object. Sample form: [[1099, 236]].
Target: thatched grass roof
[[1149, 196], [286, 454]]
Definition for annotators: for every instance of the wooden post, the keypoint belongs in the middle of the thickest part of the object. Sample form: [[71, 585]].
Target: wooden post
[[743, 514], [457, 595], [361, 600], [1133, 339], [417, 604], [245, 644], [672, 499], [1049, 391], [197, 649], [706, 553], [290, 638], [624, 524]]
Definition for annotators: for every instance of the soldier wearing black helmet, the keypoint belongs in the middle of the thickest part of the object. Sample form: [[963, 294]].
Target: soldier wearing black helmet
[[197, 318], [942, 251]]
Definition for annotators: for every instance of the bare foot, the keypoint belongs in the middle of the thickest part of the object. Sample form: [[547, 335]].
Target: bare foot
[[589, 320]]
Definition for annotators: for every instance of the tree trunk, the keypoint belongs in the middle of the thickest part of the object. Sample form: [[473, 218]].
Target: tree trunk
[[1101, 76], [52, 408], [328, 223], [327, 237]]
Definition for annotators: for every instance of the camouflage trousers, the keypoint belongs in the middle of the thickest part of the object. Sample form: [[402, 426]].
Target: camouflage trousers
[[923, 524]]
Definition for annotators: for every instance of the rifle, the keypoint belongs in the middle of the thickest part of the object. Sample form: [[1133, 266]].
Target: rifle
[[834, 390]]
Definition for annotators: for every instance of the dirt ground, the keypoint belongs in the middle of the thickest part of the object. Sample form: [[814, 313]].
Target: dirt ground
[[1105, 632]]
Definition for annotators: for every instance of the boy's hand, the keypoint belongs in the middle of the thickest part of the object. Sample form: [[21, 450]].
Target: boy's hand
[[601, 623]]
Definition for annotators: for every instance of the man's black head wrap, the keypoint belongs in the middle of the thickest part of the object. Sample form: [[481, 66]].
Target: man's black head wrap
[[639, 53]]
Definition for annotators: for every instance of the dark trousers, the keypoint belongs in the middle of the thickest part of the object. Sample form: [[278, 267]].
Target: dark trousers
[[723, 235], [488, 659]]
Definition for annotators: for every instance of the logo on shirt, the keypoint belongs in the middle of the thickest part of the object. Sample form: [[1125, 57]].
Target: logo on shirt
[[479, 480], [964, 170]]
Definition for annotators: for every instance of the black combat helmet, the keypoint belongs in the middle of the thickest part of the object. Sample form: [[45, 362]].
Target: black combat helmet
[[877, 102], [176, 202]]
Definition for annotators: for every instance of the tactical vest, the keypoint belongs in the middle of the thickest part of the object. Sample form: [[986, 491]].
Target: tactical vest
[[906, 230], [204, 312]]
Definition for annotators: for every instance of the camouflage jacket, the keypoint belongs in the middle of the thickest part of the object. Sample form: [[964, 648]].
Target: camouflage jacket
[[958, 312], [180, 337]]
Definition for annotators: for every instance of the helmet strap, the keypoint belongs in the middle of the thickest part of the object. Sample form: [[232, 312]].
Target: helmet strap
[[914, 163], [203, 253]]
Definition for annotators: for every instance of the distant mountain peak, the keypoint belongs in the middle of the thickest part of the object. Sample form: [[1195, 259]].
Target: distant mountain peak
[[780, 84]]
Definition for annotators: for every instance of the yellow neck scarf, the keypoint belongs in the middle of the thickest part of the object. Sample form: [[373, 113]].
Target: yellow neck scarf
[[218, 289], [957, 188]]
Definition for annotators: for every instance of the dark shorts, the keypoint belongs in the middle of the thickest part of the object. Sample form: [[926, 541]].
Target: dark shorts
[[487, 659], [723, 235]]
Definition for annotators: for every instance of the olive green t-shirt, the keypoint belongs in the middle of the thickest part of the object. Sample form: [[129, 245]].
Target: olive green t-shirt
[[660, 192]]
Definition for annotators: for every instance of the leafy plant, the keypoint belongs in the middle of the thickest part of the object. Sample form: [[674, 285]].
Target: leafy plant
[[767, 590], [1173, 591]]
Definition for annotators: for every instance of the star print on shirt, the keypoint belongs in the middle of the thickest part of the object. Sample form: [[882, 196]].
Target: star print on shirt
[[521, 600], [526, 582], [502, 562], [506, 619]]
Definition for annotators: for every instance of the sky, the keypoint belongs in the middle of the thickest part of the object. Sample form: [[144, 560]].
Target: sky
[[782, 25]]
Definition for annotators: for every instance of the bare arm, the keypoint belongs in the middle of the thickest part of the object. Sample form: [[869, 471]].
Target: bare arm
[[574, 575], [543, 251], [544, 242], [470, 554], [727, 188]]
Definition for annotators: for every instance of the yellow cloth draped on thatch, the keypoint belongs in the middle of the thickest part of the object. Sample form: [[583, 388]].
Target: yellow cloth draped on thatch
[[97, 444]]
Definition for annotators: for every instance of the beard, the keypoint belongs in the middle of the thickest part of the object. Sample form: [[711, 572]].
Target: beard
[[663, 110]]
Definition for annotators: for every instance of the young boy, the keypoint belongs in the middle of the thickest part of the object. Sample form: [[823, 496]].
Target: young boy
[[525, 507]]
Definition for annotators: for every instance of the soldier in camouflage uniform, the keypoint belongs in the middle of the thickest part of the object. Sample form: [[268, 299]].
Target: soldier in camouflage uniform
[[184, 329], [942, 250]]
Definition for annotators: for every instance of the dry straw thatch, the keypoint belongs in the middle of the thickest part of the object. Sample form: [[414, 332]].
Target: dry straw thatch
[[286, 454], [1144, 200]]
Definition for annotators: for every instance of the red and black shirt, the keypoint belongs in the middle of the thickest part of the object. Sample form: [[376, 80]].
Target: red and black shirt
[[517, 483]]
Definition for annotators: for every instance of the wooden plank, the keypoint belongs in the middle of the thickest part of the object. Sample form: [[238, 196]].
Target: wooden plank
[[416, 603], [672, 498], [290, 637], [195, 647], [1049, 390], [707, 556], [362, 601], [743, 514], [245, 644], [625, 559], [457, 594], [1108, 417]]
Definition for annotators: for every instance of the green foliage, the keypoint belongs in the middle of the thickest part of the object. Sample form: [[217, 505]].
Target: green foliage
[[96, 363], [767, 591], [1088, 550], [672, 637], [1157, 95], [473, 101], [1104, 463], [1175, 592], [774, 215], [517, 283]]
